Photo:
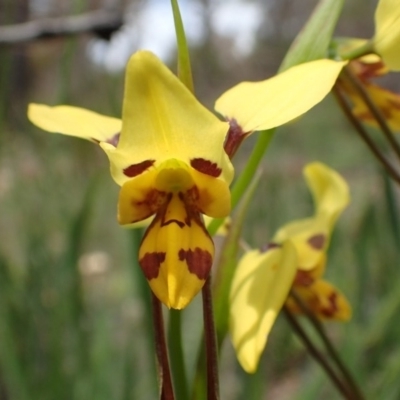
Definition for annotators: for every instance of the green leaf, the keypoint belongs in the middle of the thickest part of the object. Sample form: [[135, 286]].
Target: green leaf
[[184, 68], [227, 264], [313, 40]]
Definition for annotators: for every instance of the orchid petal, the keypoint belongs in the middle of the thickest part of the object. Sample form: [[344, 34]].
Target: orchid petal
[[330, 191], [388, 103], [163, 120], [273, 102], [387, 32], [176, 254], [310, 237], [259, 289], [75, 121]]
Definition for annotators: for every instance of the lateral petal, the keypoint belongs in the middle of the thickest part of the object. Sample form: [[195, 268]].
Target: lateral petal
[[139, 198], [324, 300], [75, 121], [214, 196], [259, 288], [273, 102]]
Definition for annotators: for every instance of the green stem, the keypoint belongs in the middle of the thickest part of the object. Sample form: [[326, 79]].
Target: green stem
[[315, 353], [242, 183], [176, 355], [199, 383], [367, 48], [329, 347], [184, 68]]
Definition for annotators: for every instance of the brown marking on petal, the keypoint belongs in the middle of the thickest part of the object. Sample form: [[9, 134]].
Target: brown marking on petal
[[330, 311], [150, 264], [303, 278], [269, 246], [198, 261], [190, 199], [154, 201], [137, 169], [365, 71], [317, 242], [174, 221], [206, 167]]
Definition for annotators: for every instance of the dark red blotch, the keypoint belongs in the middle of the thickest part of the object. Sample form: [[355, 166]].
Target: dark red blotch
[[317, 241], [198, 261], [150, 264], [206, 167], [137, 169]]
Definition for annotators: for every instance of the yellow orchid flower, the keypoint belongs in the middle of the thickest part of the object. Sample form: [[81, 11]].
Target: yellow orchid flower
[[386, 101], [295, 259], [366, 69], [167, 154], [169, 161], [387, 33], [311, 237]]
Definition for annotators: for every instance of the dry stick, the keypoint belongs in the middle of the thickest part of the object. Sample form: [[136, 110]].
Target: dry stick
[[317, 355], [167, 391], [363, 134], [329, 347], [211, 343], [374, 110], [100, 21]]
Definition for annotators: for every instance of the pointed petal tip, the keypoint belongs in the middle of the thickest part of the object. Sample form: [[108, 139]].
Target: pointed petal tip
[[273, 102]]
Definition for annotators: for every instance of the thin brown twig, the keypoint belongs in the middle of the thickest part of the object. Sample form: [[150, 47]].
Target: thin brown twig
[[364, 135], [99, 21], [166, 388], [315, 353], [376, 112], [211, 343]]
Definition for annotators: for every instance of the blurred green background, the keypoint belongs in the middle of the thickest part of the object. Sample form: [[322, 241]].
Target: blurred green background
[[74, 308]]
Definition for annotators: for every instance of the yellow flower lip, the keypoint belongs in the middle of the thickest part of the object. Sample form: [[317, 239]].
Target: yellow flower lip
[[173, 176]]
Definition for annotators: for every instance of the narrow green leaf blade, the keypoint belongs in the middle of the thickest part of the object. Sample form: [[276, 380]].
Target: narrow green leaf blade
[[184, 67], [313, 40]]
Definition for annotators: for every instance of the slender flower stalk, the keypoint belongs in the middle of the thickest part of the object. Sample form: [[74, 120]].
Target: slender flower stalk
[[316, 354], [334, 355], [364, 135], [380, 119], [210, 343], [166, 388]]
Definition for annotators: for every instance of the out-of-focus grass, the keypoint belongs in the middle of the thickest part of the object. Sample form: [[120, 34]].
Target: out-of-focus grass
[[74, 310]]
